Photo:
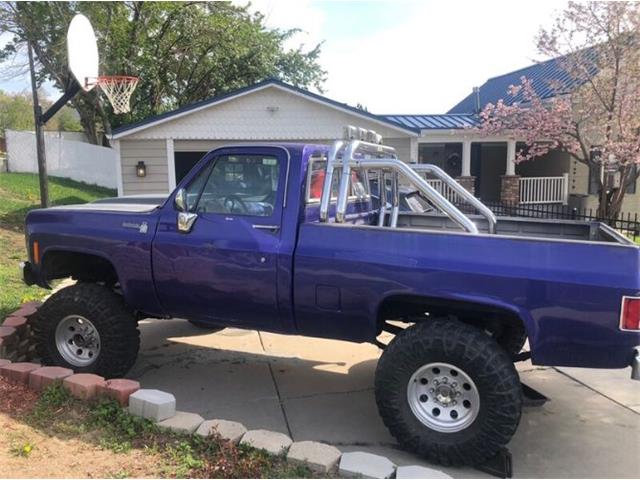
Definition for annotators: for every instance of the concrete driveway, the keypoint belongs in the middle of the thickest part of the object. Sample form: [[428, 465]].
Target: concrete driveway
[[313, 389]]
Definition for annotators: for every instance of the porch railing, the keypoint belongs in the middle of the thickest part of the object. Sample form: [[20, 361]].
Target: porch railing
[[445, 190], [544, 189]]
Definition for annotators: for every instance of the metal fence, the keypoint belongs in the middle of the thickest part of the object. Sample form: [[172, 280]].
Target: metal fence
[[627, 223]]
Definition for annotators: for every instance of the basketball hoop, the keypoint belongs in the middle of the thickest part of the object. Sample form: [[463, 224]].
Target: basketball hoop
[[118, 89]]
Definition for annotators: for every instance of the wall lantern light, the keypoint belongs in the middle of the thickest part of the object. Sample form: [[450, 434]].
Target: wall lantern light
[[141, 169]]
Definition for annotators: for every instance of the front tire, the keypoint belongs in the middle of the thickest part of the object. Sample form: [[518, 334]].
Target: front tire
[[88, 328], [448, 392]]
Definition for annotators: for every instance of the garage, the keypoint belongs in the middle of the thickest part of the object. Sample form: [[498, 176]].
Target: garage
[[184, 161]]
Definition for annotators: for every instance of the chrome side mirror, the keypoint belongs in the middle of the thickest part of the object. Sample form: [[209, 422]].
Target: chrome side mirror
[[185, 218], [186, 221], [180, 200]]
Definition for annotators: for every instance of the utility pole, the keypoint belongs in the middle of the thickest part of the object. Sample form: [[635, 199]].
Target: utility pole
[[40, 149]]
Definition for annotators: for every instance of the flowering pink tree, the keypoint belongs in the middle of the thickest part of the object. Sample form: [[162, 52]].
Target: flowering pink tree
[[594, 116]]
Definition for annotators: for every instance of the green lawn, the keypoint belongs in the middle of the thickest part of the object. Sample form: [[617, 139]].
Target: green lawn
[[19, 193]]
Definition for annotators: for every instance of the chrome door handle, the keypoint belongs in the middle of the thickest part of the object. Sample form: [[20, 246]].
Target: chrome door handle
[[273, 228]]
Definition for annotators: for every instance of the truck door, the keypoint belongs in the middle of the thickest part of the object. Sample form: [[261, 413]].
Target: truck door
[[225, 268]]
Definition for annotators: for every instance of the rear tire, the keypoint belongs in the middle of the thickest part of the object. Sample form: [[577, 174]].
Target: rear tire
[[88, 328], [465, 424]]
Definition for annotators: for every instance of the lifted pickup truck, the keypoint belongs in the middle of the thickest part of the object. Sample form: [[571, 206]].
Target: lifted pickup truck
[[285, 238]]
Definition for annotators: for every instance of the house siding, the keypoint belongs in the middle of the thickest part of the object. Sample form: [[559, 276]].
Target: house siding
[[154, 154], [402, 146], [197, 145], [267, 114]]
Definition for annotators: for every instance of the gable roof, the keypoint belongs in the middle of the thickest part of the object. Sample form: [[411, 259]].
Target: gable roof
[[125, 130], [548, 79], [436, 122]]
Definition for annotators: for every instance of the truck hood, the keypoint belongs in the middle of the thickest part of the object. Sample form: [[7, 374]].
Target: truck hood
[[132, 203]]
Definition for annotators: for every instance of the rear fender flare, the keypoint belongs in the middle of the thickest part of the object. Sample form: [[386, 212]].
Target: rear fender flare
[[493, 303]]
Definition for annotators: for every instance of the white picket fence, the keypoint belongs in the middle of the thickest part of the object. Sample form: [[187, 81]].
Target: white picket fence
[[79, 161], [544, 189]]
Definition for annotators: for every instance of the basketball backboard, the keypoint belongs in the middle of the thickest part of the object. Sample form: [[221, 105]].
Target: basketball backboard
[[82, 51]]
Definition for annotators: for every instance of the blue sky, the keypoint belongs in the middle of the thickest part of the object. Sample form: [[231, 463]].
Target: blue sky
[[407, 56]]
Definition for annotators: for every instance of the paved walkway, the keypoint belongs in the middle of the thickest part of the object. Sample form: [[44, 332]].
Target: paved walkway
[[322, 390]]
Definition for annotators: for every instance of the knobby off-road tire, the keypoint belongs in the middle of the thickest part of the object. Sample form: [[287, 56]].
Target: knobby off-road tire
[[486, 382], [111, 338]]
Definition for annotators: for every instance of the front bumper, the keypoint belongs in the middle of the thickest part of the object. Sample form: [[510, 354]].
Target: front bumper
[[28, 276], [635, 364]]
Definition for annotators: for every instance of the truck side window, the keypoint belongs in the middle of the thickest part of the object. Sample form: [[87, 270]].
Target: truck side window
[[242, 185], [357, 187]]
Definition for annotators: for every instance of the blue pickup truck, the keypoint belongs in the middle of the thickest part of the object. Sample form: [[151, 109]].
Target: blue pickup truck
[[287, 238]]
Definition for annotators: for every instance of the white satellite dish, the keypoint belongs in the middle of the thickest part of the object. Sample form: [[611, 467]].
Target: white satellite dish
[[82, 51]]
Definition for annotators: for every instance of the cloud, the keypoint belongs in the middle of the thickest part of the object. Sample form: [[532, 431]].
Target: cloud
[[429, 62], [425, 63], [304, 15]]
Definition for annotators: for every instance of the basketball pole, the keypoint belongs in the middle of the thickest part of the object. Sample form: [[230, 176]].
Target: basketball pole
[[40, 119], [40, 151]]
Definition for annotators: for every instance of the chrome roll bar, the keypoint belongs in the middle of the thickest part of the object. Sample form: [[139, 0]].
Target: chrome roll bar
[[382, 213], [460, 190], [362, 154], [325, 200]]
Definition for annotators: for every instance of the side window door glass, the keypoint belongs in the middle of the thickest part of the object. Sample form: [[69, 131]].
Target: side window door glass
[[241, 185], [195, 188]]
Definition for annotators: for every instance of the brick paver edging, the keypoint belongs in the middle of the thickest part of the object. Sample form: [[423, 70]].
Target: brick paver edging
[[17, 351], [16, 337]]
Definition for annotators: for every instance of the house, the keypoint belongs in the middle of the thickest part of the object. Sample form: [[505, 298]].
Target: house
[[169, 144]]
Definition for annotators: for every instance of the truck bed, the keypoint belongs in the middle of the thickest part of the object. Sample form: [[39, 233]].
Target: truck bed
[[521, 227]]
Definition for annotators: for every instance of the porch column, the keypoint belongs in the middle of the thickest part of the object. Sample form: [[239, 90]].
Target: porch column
[[466, 158], [511, 158], [413, 150], [510, 182], [466, 180]]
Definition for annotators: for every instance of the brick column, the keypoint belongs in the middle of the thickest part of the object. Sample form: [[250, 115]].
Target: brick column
[[510, 189], [469, 183]]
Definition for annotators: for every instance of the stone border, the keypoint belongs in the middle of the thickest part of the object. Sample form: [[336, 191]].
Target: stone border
[[17, 355]]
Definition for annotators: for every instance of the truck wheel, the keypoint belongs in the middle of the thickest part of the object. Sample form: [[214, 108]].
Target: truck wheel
[[88, 328], [448, 392]]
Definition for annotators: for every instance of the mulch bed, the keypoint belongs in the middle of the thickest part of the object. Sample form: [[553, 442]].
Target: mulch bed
[[16, 400]]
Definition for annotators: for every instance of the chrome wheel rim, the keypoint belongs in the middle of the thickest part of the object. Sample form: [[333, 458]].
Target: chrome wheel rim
[[77, 340], [443, 397]]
